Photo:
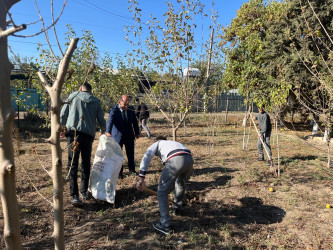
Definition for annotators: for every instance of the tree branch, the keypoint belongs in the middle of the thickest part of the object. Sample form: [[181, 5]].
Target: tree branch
[[63, 66], [44, 81], [51, 25], [13, 30], [54, 30]]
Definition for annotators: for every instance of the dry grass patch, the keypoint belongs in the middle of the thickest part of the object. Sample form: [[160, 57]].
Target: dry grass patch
[[228, 202]]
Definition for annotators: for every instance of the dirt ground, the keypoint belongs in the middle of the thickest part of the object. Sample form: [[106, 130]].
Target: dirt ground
[[228, 202]]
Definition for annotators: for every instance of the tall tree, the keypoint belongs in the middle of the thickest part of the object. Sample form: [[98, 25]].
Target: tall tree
[[54, 91], [7, 115], [303, 53], [7, 173], [169, 48], [87, 65], [246, 47]]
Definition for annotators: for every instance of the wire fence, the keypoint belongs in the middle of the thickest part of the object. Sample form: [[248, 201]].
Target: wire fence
[[223, 102]]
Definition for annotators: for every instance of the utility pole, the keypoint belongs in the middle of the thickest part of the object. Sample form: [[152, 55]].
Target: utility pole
[[208, 65]]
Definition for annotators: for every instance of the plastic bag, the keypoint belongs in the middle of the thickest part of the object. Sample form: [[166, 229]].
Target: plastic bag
[[105, 170]]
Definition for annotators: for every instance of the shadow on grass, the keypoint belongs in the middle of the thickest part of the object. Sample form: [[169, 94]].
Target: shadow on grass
[[253, 211], [217, 169], [206, 186], [288, 160]]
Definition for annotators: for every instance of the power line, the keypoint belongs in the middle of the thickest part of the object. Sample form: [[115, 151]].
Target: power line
[[107, 11], [55, 45], [69, 21]]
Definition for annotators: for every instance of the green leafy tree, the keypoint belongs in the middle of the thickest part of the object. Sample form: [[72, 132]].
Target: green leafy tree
[[246, 47], [88, 66], [303, 55]]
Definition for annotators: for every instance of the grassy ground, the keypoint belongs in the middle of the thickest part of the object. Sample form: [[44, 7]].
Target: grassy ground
[[228, 202]]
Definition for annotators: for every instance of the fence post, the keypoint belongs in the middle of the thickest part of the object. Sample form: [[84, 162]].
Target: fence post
[[226, 111], [18, 110]]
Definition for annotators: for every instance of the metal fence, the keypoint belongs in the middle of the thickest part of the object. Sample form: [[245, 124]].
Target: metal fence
[[27, 99], [234, 102]]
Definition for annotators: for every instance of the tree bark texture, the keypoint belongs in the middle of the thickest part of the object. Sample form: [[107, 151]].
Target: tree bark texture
[[7, 166], [56, 172]]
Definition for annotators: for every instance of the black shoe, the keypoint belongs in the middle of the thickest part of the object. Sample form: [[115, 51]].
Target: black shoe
[[260, 159], [76, 202], [177, 211], [134, 173], [164, 230], [269, 163], [85, 196]]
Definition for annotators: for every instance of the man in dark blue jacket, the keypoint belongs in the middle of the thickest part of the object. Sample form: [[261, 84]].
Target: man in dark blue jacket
[[123, 126]]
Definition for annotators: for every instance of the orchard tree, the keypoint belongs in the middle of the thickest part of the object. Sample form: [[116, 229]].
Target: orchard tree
[[7, 176], [246, 48], [7, 165], [87, 65], [214, 83], [246, 45], [7, 182], [53, 81], [54, 90], [303, 53], [169, 48]]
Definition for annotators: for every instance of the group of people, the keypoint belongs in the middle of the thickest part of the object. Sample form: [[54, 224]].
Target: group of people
[[79, 115]]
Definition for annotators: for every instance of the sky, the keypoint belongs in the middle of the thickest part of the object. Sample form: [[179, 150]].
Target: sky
[[104, 18]]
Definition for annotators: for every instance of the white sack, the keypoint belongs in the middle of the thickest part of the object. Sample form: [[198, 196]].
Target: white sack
[[106, 167]]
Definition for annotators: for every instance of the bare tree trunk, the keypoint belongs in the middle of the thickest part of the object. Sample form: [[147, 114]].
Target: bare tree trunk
[[54, 140], [57, 179], [7, 166], [174, 133]]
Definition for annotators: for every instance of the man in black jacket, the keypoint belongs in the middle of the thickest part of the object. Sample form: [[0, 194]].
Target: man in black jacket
[[142, 113], [265, 127]]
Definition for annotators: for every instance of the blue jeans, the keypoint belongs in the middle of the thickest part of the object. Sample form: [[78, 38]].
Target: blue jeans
[[174, 174]]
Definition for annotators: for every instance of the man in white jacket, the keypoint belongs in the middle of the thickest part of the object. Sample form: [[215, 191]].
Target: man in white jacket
[[178, 165]]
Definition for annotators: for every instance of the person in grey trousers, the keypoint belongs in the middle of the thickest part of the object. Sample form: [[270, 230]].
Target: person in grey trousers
[[265, 127], [178, 164]]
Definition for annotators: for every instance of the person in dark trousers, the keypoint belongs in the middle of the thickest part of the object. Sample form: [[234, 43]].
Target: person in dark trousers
[[178, 165], [265, 127], [79, 114], [142, 113], [123, 126]]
